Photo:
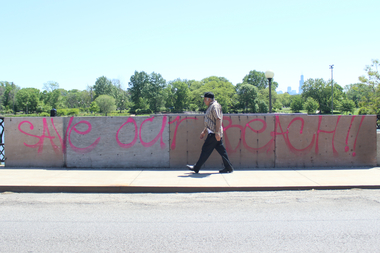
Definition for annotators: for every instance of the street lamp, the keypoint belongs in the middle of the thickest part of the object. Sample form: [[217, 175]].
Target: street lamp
[[269, 75], [332, 89]]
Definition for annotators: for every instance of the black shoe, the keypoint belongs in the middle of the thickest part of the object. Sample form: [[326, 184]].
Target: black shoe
[[191, 167], [225, 170]]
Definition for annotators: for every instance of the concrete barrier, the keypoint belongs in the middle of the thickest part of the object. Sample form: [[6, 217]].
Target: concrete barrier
[[162, 141]]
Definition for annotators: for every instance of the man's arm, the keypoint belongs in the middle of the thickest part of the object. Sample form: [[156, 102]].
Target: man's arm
[[203, 133], [217, 133]]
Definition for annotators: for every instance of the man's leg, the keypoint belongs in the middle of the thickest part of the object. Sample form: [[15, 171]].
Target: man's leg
[[223, 153], [207, 149]]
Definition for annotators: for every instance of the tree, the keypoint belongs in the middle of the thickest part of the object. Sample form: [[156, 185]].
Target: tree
[[373, 76], [137, 84], [347, 105], [50, 86], [177, 96], [358, 92], [247, 96], [27, 99], [94, 107], [311, 105], [103, 86], [264, 96], [154, 91], [320, 91], [73, 99], [52, 99], [297, 103], [285, 99], [223, 90], [106, 103], [9, 96], [372, 80], [121, 95], [259, 80]]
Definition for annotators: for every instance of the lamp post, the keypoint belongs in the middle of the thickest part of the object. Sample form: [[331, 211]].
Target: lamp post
[[332, 89], [269, 75]]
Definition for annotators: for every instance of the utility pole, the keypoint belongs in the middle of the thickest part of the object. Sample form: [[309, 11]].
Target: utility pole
[[332, 89]]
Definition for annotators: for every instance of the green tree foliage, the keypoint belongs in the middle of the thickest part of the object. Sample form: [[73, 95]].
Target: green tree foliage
[[103, 86], [259, 80], [154, 92], [94, 107], [121, 95], [372, 80], [27, 99], [297, 104], [247, 96], [358, 92], [373, 76], [106, 103], [285, 99], [263, 106], [73, 99], [8, 99], [52, 98], [137, 87], [177, 96], [223, 90], [264, 96], [347, 106], [320, 91], [50, 86], [311, 105]]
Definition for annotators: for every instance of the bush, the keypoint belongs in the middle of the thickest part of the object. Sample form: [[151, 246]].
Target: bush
[[296, 104], [363, 111], [73, 112], [263, 107], [61, 112], [311, 105], [44, 114], [193, 107], [143, 111]]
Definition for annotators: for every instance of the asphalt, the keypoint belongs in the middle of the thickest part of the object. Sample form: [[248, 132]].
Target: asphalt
[[151, 180]]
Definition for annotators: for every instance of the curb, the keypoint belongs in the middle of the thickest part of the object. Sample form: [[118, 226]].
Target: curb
[[169, 189]]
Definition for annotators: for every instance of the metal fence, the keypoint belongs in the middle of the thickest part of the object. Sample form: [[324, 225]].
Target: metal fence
[[2, 155]]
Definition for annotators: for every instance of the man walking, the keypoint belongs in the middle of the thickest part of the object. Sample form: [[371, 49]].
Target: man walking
[[214, 131]]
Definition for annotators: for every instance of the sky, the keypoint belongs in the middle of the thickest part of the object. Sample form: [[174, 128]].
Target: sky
[[74, 42]]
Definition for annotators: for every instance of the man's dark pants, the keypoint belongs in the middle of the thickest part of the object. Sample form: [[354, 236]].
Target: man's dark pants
[[210, 144]]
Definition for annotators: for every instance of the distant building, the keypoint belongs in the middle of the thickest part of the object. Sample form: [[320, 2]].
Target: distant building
[[280, 92], [291, 92], [301, 84]]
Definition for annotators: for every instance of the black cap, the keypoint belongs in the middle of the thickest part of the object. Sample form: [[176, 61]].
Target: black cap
[[209, 95]]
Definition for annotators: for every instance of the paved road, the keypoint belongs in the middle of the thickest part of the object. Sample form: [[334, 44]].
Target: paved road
[[285, 221]]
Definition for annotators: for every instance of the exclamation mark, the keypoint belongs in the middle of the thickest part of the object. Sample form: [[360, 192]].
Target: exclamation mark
[[348, 134], [353, 153]]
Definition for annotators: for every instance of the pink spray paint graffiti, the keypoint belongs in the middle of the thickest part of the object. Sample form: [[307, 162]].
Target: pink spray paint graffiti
[[42, 137], [139, 133], [177, 119], [291, 135], [279, 131]]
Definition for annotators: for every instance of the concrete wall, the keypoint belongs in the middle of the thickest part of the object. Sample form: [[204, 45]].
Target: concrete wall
[[162, 141]]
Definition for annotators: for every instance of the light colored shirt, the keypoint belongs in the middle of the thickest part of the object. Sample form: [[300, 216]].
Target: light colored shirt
[[213, 112]]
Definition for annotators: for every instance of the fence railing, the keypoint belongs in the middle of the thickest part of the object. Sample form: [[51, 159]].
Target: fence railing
[[2, 154]]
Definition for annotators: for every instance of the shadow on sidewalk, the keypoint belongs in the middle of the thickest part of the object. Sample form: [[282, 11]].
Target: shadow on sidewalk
[[198, 175]]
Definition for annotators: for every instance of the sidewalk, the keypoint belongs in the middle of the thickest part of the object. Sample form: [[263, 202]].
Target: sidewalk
[[169, 180]]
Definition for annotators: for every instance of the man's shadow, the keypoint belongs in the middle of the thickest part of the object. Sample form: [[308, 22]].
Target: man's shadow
[[198, 175]]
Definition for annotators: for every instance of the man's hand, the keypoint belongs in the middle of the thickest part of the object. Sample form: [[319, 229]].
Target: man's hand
[[217, 137], [202, 135]]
